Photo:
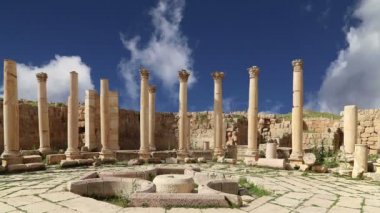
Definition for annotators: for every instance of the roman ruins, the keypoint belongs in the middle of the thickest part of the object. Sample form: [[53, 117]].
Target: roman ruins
[[238, 143]]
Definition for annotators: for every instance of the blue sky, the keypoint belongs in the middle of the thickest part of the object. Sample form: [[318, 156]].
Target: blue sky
[[202, 36]]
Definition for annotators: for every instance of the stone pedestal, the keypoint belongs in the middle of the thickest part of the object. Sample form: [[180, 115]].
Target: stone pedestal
[[11, 154], [350, 130], [90, 120], [72, 151], [182, 122], [360, 160], [271, 150], [43, 114], [252, 152], [144, 115], [297, 112], [106, 153], [206, 145], [218, 114], [152, 117]]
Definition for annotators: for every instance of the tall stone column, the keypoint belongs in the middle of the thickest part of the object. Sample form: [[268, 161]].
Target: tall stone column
[[297, 112], [106, 152], [182, 147], [144, 115], [218, 114], [152, 116], [350, 129], [72, 151], [90, 120], [252, 152], [11, 154], [43, 114]]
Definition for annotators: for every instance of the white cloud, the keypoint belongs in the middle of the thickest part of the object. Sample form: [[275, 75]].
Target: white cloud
[[58, 70], [275, 107], [354, 77], [165, 53], [228, 104]]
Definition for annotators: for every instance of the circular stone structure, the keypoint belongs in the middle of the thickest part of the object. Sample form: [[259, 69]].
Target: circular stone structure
[[174, 183]]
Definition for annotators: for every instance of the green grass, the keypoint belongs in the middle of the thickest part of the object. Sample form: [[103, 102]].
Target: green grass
[[115, 200], [373, 157], [311, 114], [253, 189]]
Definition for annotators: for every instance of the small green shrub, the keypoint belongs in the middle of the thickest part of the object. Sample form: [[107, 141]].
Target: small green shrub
[[253, 189]]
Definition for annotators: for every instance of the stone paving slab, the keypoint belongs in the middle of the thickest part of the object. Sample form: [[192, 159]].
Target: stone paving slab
[[45, 191]]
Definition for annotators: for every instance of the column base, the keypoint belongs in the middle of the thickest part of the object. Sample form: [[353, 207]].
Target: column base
[[44, 150], [218, 152], [295, 161], [144, 154], [152, 148], [107, 156], [10, 158], [72, 154], [182, 154]]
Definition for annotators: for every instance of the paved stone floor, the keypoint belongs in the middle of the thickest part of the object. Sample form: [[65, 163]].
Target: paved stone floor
[[293, 191]]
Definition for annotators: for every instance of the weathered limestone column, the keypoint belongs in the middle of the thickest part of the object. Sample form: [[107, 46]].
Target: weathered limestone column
[[218, 114], [297, 112], [360, 160], [152, 116], [252, 152], [271, 150], [144, 115], [89, 120], [72, 151], [43, 114], [350, 129], [106, 152], [182, 126], [11, 154], [113, 112]]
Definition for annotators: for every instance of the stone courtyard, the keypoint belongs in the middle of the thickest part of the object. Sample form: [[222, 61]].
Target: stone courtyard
[[291, 191]]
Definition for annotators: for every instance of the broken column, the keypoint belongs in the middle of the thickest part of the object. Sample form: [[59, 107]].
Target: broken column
[[11, 154], [271, 150], [360, 160], [43, 114], [144, 115], [297, 112], [350, 130], [113, 112], [72, 151], [106, 153], [90, 120], [182, 147], [152, 116], [252, 152], [218, 114]]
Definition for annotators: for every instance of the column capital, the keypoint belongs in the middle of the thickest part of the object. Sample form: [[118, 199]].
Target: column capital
[[41, 77], [217, 75], [297, 62], [144, 73], [253, 71], [73, 73], [152, 89], [183, 75]]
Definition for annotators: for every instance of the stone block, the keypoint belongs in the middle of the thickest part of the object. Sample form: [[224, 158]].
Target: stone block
[[230, 160], [125, 155], [230, 187], [77, 187], [171, 160], [271, 163], [190, 160], [35, 166], [319, 169], [135, 162], [89, 155], [29, 152], [309, 159], [154, 160], [85, 162], [17, 168], [201, 160], [55, 158], [31, 159], [68, 163], [95, 187]]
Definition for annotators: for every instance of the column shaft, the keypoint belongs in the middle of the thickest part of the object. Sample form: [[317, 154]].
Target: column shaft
[[43, 114], [350, 129], [90, 121], [144, 115], [182, 126], [252, 152], [106, 152], [152, 116], [218, 113], [72, 151]]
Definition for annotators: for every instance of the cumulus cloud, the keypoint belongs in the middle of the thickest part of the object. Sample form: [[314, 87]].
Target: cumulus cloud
[[165, 53], [354, 77], [58, 70]]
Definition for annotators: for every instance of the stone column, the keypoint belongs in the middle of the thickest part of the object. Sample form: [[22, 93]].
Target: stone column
[[43, 114], [113, 135], [252, 152], [218, 114], [350, 129], [360, 160], [152, 116], [182, 126], [106, 152], [11, 154], [72, 151], [144, 115], [297, 112], [89, 120]]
